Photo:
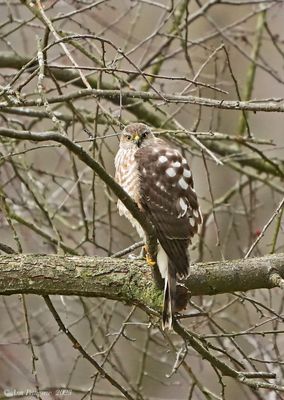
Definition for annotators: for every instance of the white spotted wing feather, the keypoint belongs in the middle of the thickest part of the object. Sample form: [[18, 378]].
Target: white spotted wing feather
[[168, 197]]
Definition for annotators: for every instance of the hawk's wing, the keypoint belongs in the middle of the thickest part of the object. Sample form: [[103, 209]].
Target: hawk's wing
[[169, 200]]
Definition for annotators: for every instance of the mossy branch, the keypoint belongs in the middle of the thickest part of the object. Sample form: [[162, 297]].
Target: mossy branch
[[130, 281]]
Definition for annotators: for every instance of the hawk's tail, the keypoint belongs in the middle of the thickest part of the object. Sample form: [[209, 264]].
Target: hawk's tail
[[169, 300]]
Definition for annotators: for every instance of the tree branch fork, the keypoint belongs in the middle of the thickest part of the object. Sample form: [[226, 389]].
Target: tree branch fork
[[128, 280]]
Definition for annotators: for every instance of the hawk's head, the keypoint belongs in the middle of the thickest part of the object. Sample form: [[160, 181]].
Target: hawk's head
[[136, 135]]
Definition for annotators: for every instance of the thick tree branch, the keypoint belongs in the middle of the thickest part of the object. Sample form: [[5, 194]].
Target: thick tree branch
[[117, 95], [10, 60], [130, 281]]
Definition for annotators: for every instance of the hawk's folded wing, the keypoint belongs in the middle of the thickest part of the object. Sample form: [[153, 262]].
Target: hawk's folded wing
[[168, 197]]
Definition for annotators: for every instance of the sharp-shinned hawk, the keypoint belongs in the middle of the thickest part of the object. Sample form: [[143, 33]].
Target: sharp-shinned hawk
[[158, 178]]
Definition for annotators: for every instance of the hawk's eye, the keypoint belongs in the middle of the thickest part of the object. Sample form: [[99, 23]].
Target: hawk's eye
[[128, 137], [144, 134]]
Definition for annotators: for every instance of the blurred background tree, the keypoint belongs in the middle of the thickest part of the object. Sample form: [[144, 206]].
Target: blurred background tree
[[208, 76]]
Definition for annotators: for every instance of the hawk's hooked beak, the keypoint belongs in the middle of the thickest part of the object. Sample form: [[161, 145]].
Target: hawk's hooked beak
[[137, 140]]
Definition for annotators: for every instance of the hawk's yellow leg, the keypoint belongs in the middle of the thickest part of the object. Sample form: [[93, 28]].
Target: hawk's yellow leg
[[150, 261]]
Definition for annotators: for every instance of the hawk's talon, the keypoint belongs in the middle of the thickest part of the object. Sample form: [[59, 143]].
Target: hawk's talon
[[150, 261]]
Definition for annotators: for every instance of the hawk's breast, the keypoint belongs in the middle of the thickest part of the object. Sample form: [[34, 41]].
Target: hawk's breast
[[127, 175]]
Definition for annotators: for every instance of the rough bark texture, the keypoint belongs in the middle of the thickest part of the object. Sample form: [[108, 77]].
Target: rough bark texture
[[127, 280]]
